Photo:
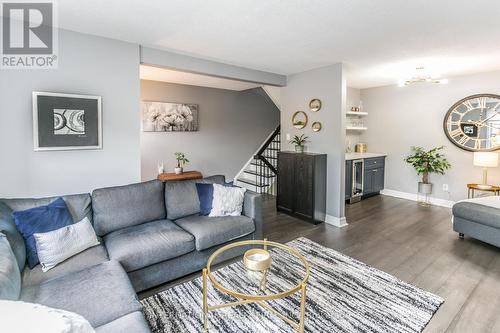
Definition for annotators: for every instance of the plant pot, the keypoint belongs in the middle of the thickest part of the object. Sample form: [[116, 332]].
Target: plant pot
[[299, 149], [178, 171], [424, 188]]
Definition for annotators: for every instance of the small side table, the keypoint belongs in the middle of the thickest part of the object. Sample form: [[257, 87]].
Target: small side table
[[471, 188], [187, 175]]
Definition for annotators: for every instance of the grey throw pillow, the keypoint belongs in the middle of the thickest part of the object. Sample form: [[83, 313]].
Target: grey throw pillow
[[54, 247]]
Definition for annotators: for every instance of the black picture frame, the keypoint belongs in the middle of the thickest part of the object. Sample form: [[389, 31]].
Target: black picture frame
[[66, 121]]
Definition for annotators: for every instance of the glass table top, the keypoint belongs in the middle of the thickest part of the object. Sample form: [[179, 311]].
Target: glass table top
[[288, 271]]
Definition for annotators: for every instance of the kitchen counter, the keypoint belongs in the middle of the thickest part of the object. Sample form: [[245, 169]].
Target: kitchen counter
[[357, 156]]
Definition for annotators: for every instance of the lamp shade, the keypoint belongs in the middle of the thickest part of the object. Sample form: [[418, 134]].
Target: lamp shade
[[486, 159]]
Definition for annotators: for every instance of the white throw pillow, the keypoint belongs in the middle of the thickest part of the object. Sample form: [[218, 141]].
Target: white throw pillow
[[54, 247], [22, 317], [227, 201]]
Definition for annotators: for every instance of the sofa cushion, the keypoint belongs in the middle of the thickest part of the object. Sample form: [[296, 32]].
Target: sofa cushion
[[56, 246], [206, 196], [10, 277], [181, 197], [227, 201], [41, 219], [149, 243], [124, 206], [478, 213], [16, 240], [79, 205], [212, 231], [24, 317], [133, 322], [100, 293], [88, 258]]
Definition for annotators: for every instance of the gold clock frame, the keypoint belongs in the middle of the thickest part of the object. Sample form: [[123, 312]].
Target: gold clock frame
[[452, 108]]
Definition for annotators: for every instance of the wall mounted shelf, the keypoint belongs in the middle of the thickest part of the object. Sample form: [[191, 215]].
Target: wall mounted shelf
[[351, 128], [356, 113]]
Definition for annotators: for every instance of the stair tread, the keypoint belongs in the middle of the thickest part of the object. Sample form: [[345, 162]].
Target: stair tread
[[257, 164], [252, 182], [252, 172]]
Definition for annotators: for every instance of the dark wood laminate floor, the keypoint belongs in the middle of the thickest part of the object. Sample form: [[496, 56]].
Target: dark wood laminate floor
[[415, 244]]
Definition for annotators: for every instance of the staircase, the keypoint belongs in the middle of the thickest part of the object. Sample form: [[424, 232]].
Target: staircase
[[259, 175]]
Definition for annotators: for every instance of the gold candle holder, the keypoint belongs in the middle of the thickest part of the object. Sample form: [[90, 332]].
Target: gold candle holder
[[257, 259]]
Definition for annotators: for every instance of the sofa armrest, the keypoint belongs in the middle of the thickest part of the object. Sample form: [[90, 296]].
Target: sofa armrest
[[252, 207]]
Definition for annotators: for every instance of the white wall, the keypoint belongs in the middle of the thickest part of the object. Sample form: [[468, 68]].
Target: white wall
[[233, 125], [413, 116], [274, 94], [327, 84], [87, 65], [353, 97]]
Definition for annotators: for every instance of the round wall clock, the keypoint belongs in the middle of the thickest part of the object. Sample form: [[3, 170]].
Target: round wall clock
[[473, 123]]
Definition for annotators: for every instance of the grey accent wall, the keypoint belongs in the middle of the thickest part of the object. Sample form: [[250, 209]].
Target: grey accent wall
[[233, 125], [87, 65], [327, 84], [413, 116]]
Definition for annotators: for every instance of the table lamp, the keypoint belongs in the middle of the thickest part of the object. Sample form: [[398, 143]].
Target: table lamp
[[485, 160]]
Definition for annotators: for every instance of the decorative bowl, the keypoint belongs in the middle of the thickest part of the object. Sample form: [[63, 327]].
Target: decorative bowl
[[257, 259]]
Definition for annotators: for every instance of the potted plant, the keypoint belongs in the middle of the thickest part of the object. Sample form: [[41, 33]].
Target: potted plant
[[181, 161], [299, 141], [426, 162]]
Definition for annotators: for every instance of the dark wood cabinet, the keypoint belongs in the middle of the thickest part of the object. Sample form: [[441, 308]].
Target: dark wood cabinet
[[302, 185], [286, 183]]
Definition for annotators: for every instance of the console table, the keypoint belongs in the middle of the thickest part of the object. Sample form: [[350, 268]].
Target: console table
[[188, 175]]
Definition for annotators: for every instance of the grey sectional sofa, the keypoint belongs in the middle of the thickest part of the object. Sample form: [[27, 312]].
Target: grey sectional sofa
[[478, 219], [150, 233]]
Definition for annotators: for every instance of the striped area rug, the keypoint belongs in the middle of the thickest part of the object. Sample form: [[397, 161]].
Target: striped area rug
[[343, 295]]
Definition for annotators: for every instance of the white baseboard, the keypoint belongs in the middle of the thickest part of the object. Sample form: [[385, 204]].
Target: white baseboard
[[413, 197], [338, 222]]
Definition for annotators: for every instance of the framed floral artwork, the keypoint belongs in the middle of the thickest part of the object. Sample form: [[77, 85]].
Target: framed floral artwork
[[169, 117]]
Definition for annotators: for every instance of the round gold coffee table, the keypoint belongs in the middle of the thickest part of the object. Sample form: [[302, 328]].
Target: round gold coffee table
[[259, 287]]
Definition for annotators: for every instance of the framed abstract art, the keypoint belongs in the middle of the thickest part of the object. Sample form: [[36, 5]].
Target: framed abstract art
[[66, 121]]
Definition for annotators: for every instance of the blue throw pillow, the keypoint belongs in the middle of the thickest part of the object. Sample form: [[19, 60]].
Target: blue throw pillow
[[41, 219], [206, 196]]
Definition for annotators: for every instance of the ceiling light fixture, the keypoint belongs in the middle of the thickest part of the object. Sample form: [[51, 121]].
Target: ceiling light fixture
[[421, 77]]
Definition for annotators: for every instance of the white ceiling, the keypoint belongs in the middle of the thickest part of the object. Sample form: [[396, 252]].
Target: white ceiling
[[172, 76], [380, 41]]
